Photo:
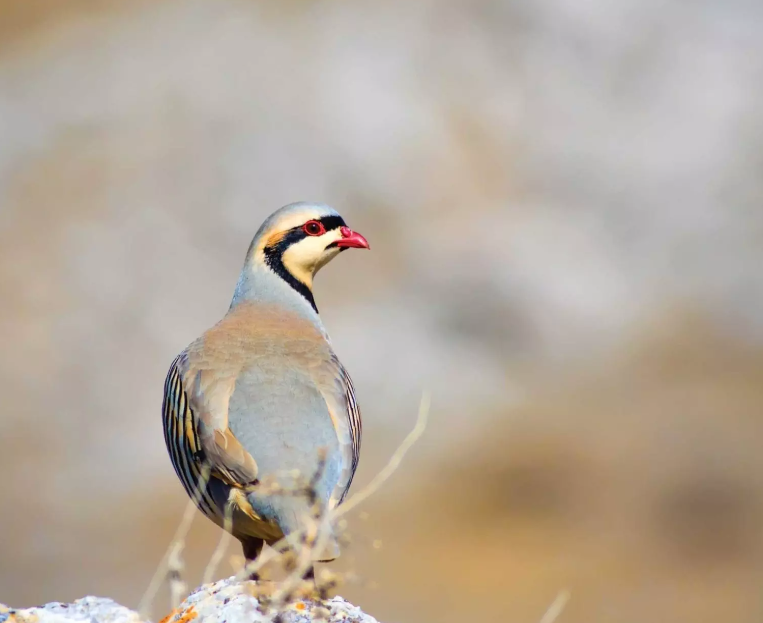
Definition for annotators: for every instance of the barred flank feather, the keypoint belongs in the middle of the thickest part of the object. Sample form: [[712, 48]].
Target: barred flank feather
[[182, 441], [356, 427]]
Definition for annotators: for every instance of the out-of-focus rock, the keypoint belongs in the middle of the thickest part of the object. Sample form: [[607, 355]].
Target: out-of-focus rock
[[90, 609], [226, 601], [229, 601]]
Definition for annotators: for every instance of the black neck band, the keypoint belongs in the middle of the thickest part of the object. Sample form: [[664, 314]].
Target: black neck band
[[274, 259], [274, 256]]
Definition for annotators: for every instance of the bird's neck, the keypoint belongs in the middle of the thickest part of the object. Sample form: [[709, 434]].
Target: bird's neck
[[262, 284]]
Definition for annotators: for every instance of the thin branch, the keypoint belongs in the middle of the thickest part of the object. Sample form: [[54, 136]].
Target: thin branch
[[174, 567], [298, 540], [393, 463], [556, 607], [180, 535], [295, 578], [222, 545], [330, 517], [334, 514]]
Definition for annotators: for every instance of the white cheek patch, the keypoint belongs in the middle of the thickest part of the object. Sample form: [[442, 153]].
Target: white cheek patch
[[326, 257], [304, 258]]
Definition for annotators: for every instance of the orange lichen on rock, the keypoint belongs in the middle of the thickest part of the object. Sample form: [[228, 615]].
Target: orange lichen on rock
[[180, 616], [168, 617]]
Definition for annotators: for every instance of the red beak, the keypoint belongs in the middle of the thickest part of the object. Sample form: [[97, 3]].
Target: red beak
[[352, 239]]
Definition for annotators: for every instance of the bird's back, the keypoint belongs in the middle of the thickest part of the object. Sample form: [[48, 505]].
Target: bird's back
[[286, 428], [276, 410]]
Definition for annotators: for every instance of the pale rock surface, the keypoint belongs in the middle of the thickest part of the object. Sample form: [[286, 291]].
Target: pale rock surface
[[95, 609], [226, 601]]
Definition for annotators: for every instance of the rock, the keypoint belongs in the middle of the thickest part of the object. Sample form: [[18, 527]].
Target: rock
[[95, 609], [226, 601]]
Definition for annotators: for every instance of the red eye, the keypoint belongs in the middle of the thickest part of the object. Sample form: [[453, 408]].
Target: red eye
[[314, 228]]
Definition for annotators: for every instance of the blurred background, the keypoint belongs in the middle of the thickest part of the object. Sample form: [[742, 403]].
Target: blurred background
[[565, 206]]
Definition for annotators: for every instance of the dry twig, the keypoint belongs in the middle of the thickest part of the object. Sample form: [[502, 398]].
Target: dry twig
[[332, 515], [222, 545], [303, 543], [556, 607], [181, 533]]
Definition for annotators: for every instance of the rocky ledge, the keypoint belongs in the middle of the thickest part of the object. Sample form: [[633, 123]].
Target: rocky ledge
[[226, 601]]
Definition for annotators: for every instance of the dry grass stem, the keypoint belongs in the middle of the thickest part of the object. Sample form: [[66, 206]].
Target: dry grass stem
[[302, 544], [332, 515], [174, 573], [556, 607], [393, 463], [222, 545], [144, 607]]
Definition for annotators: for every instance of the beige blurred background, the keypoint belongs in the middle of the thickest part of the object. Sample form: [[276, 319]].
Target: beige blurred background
[[565, 205]]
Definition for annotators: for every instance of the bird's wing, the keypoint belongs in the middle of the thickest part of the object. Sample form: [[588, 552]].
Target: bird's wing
[[335, 385], [207, 386]]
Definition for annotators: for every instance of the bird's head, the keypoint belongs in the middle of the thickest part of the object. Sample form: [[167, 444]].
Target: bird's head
[[296, 241]]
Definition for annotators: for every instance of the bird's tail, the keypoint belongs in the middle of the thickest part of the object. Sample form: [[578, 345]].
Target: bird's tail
[[293, 515], [315, 533]]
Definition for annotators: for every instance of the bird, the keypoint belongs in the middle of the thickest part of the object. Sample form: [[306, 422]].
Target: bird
[[262, 395]]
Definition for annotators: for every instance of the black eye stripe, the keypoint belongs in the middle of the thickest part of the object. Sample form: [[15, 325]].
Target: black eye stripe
[[332, 222], [274, 254], [297, 233]]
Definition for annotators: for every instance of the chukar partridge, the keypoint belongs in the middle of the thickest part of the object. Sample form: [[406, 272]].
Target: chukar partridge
[[262, 394]]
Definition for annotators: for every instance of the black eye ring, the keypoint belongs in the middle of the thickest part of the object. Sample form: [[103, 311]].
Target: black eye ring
[[314, 228]]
